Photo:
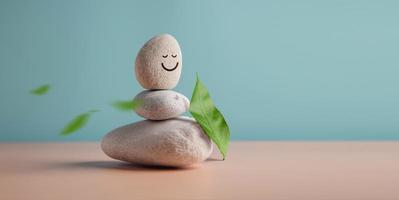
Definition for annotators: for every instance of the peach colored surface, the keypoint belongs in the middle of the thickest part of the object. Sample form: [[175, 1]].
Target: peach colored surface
[[253, 170]]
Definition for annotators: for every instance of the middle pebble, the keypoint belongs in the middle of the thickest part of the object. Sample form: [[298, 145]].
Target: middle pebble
[[161, 104]]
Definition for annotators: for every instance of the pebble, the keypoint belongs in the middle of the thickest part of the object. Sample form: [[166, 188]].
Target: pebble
[[161, 104], [159, 63], [177, 142]]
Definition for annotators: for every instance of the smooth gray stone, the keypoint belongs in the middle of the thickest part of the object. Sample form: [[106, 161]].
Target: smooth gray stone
[[159, 63], [177, 142], [161, 104]]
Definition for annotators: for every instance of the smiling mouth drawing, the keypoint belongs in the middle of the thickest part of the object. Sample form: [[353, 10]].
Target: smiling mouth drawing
[[169, 70]]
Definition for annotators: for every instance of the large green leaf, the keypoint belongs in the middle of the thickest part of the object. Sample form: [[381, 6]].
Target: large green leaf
[[77, 123], [209, 117], [128, 105], [41, 90]]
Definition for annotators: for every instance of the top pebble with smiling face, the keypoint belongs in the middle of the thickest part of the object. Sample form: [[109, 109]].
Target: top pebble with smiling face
[[159, 63]]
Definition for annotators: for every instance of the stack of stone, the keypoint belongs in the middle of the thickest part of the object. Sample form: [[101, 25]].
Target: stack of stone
[[166, 138]]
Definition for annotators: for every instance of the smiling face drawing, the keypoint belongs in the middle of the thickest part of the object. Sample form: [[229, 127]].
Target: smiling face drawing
[[159, 63], [170, 69]]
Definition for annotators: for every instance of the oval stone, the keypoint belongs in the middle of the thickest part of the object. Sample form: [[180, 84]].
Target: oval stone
[[159, 63], [161, 104], [177, 142]]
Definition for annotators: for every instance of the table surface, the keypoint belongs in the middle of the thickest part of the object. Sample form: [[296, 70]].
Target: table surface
[[253, 170]]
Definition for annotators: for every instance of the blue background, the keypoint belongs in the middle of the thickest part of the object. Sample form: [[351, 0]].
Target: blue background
[[320, 70]]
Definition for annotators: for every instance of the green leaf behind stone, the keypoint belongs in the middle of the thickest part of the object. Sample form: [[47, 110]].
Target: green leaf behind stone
[[209, 117], [41, 90], [128, 105]]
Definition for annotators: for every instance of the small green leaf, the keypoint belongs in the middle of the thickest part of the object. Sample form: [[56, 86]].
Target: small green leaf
[[94, 110], [41, 90], [209, 117], [77, 123], [127, 105]]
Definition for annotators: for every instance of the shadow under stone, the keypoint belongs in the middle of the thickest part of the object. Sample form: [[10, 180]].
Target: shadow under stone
[[113, 165]]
